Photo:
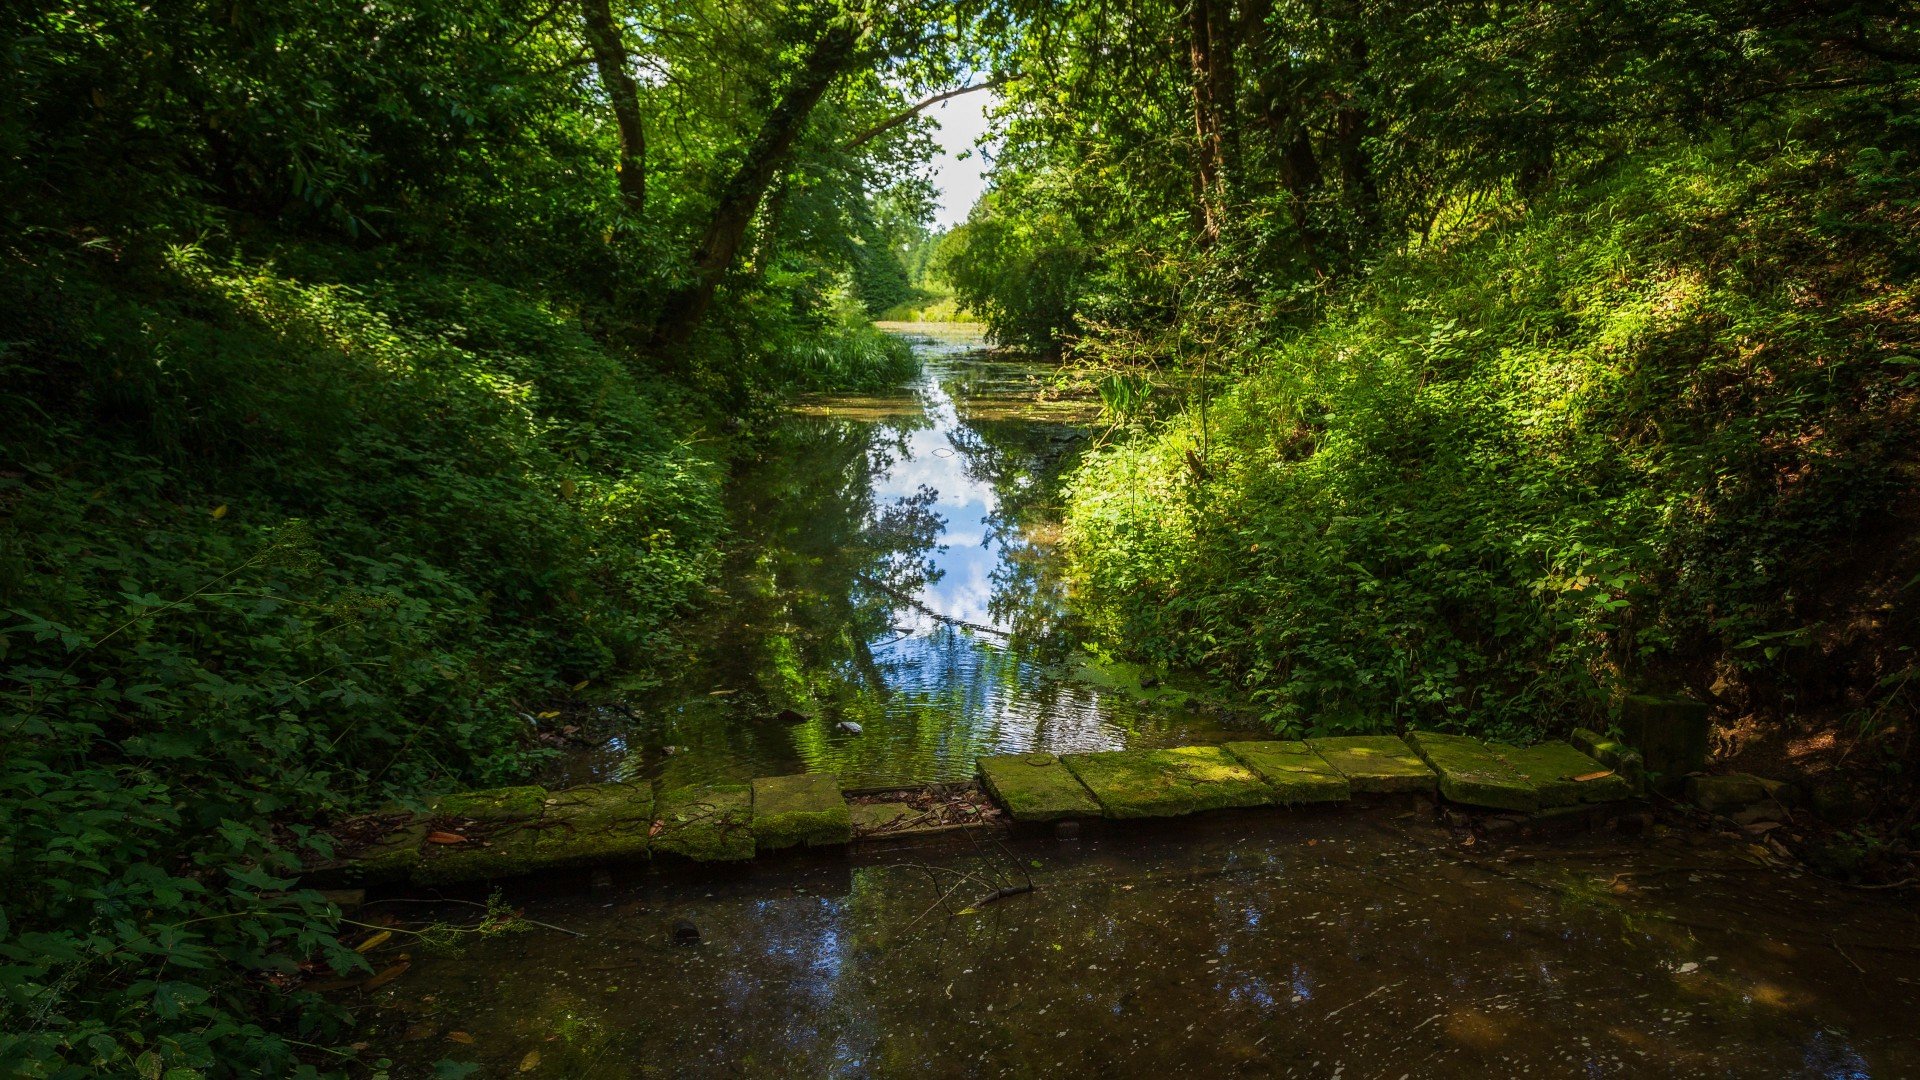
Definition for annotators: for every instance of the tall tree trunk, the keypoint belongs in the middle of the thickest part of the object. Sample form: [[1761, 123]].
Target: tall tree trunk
[[1275, 111], [1351, 126], [831, 53], [610, 58], [1210, 53]]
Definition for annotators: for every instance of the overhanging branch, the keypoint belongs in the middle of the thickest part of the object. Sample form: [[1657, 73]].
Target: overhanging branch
[[902, 117]]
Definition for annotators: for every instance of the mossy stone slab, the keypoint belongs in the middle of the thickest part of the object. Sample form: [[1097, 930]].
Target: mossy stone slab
[[1168, 783], [706, 822], [805, 809], [1293, 771], [1472, 774], [1551, 768], [1728, 792], [506, 852], [392, 857], [880, 817], [595, 825], [1377, 764], [1036, 787], [494, 806]]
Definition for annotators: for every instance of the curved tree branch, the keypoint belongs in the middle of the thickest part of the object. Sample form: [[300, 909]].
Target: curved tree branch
[[905, 115]]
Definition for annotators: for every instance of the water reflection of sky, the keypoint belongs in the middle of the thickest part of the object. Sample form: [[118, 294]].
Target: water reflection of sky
[[885, 575]]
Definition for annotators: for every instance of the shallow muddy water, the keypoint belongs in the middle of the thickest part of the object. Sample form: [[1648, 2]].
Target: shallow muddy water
[[890, 567], [1357, 942]]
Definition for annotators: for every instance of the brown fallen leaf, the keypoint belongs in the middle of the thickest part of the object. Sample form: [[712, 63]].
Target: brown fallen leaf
[[530, 1062], [1601, 775], [387, 976], [654, 829], [445, 838], [374, 942], [460, 1037]]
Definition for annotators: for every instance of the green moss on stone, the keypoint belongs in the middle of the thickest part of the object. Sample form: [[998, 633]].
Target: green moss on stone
[[805, 809], [1729, 792], [391, 858], [880, 817], [1670, 731], [1551, 767], [493, 806], [1612, 753], [706, 822], [1377, 764], [1036, 787], [1293, 771], [595, 825], [1473, 775], [1168, 783], [507, 852], [385, 861]]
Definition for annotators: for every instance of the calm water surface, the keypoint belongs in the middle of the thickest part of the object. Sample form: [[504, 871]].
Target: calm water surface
[[1359, 943], [891, 567]]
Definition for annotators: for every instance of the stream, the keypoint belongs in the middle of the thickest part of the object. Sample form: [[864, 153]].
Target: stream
[[892, 568]]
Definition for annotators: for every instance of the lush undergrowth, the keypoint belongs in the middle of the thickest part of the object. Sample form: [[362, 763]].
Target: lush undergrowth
[[1628, 436], [305, 533]]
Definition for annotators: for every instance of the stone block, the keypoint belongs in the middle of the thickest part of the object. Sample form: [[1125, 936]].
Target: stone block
[[1167, 783], [706, 822], [1612, 753], [804, 809], [1294, 772], [1473, 775], [1036, 787], [1553, 767], [1377, 764], [1670, 732], [595, 825]]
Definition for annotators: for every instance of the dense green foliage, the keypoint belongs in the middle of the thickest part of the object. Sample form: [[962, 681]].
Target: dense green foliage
[[1469, 363], [289, 547], [363, 372], [1625, 435]]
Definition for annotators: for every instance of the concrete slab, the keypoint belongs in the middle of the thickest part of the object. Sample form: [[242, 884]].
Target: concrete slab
[[1553, 767], [805, 809], [1168, 783], [706, 822], [492, 806], [1377, 764], [1473, 775], [1036, 787], [497, 832], [880, 817], [1295, 772], [595, 825]]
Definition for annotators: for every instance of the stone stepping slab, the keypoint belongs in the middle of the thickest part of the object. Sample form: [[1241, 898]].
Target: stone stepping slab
[[706, 822], [500, 830], [1473, 774], [507, 832], [1036, 787], [1556, 770], [595, 825], [1377, 764], [1294, 772], [789, 811], [1168, 783]]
